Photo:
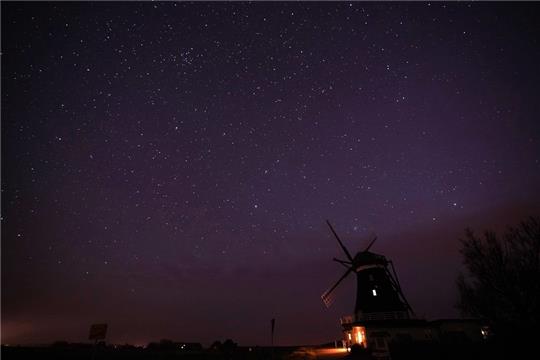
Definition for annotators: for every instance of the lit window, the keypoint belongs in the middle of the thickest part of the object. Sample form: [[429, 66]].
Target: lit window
[[374, 292], [349, 336]]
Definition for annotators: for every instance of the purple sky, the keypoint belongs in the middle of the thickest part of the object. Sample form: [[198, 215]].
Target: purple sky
[[167, 168]]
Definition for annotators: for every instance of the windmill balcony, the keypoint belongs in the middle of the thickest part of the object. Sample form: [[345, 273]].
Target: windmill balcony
[[384, 315]]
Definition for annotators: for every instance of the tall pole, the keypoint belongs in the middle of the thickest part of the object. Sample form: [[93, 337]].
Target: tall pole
[[273, 323]]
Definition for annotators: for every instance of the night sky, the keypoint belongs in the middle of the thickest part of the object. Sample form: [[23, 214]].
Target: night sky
[[168, 168]]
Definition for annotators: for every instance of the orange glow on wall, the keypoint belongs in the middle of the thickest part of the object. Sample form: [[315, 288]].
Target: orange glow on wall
[[359, 335]]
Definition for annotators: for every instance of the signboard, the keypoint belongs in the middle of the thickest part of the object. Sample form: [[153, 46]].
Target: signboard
[[98, 332]]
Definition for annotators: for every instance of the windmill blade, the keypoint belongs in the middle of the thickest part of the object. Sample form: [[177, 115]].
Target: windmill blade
[[347, 264], [394, 279], [327, 300], [339, 241], [326, 296], [371, 243], [395, 274], [401, 296]]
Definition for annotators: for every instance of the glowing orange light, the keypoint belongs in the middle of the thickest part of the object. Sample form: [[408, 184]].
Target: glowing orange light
[[329, 352], [359, 335]]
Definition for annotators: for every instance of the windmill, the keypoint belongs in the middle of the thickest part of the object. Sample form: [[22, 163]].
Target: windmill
[[378, 292]]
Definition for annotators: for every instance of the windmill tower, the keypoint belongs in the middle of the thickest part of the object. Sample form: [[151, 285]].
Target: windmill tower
[[378, 292]]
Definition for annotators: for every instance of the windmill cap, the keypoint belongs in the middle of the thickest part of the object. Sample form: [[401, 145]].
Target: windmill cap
[[369, 258]]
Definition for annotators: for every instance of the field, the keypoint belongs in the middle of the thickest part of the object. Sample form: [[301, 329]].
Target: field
[[127, 352]]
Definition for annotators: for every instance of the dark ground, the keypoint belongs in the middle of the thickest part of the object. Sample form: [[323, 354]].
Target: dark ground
[[414, 351], [120, 353]]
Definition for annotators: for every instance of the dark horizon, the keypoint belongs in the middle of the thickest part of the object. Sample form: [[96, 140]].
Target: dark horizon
[[167, 168]]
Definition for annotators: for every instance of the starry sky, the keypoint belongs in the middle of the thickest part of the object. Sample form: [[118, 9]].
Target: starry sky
[[167, 168]]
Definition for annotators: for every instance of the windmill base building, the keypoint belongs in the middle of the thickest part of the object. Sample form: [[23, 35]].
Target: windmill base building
[[380, 335]]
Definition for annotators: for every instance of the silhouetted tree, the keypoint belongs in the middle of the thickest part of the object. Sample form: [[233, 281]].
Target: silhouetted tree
[[502, 283], [229, 345], [167, 345], [163, 345]]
